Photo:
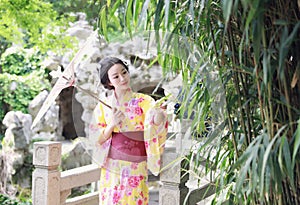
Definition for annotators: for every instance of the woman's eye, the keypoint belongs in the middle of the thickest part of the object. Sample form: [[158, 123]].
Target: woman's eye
[[124, 72]]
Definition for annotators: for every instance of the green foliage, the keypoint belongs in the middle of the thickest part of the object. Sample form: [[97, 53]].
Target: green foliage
[[245, 54], [32, 23], [6, 200], [89, 7], [18, 91], [20, 61], [22, 80]]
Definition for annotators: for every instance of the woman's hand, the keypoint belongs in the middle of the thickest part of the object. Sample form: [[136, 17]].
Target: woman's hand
[[159, 118], [117, 117]]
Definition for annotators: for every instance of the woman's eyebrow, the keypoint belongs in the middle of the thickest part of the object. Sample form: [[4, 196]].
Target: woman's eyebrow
[[114, 74]]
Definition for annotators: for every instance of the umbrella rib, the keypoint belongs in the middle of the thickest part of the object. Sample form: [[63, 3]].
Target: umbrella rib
[[86, 91], [94, 96]]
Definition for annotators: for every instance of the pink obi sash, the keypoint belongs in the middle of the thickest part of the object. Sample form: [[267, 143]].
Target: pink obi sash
[[128, 146]]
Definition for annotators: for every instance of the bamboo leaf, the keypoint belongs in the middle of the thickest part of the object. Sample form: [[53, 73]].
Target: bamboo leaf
[[167, 10], [128, 17], [288, 161], [277, 174], [144, 11], [280, 158], [245, 168], [213, 135], [103, 22], [247, 152], [157, 19], [136, 10], [296, 144], [227, 8], [264, 165], [114, 8], [108, 2], [254, 7]]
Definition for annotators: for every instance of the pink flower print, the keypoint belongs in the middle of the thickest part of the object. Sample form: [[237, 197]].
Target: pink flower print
[[127, 109], [139, 202], [128, 192], [102, 124], [103, 198], [138, 111], [126, 104], [134, 166], [146, 144], [154, 139], [116, 197], [139, 126], [141, 194], [141, 177], [122, 187], [141, 99], [142, 125], [133, 181]]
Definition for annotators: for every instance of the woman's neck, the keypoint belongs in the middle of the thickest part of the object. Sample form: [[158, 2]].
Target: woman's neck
[[120, 94]]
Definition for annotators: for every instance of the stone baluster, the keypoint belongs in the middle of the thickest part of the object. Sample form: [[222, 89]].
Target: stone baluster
[[173, 177], [46, 177]]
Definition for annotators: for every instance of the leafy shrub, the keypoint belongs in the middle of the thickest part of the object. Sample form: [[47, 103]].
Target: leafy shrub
[[20, 61], [6, 200], [22, 79]]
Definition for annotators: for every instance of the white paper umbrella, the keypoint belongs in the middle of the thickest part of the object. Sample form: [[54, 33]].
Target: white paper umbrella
[[67, 79]]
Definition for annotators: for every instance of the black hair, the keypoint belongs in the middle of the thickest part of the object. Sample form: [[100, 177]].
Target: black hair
[[105, 65]]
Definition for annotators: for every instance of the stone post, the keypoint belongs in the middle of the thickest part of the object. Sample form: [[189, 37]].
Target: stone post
[[46, 177], [173, 190], [173, 176]]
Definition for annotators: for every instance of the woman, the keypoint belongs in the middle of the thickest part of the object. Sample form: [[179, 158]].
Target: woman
[[130, 136]]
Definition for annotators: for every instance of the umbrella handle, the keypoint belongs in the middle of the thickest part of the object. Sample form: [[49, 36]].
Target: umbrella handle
[[72, 83], [91, 94]]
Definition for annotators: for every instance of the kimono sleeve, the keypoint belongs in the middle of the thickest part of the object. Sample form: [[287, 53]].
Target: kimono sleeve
[[96, 129], [155, 139]]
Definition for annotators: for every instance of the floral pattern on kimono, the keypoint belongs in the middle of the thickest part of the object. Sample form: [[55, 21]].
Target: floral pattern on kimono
[[139, 110]]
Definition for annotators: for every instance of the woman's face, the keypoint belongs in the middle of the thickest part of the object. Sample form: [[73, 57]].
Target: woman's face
[[119, 77]]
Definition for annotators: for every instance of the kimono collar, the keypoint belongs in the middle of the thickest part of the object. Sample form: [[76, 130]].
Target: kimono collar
[[127, 96]]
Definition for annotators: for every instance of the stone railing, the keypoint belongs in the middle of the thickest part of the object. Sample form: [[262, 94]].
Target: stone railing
[[52, 187]]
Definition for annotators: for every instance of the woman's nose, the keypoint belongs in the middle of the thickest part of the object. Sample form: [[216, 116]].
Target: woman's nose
[[122, 77]]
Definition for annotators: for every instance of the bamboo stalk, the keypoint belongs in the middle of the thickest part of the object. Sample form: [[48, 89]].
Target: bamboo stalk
[[235, 79], [288, 106]]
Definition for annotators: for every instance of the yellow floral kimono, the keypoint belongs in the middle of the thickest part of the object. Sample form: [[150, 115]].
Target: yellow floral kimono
[[124, 182]]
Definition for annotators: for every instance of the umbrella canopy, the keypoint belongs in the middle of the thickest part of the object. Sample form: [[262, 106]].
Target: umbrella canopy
[[67, 79]]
